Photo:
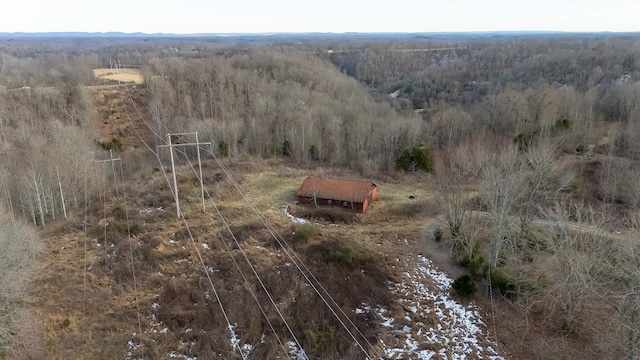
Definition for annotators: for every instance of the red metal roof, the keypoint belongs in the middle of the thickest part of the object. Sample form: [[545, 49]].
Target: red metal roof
[[336, 189]]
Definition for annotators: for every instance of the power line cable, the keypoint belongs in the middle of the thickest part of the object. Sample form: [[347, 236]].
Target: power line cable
[[195, 246], [230, 327], [246, 281], [280, 240], [133, 267]]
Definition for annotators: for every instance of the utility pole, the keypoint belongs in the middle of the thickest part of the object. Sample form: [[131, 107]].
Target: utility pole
[[170, 145], [113, 169], [64, 207]]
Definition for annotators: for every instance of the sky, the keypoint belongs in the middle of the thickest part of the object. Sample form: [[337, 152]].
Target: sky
[[338, 16]]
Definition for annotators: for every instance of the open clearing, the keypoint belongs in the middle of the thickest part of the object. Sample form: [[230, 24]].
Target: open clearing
[[420, 323], [122, 75]]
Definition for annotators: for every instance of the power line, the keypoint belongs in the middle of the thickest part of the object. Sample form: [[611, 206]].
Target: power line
[[215, 292], [264, 288], [133, 267], [280, 240], [230, 328], [247, 285]]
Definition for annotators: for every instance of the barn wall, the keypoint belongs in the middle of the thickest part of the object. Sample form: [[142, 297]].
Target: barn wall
[[356, 207]]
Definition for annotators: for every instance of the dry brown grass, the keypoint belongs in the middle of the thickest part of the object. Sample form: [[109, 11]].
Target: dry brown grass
[[120, 75], [89, 310], [354, 261]]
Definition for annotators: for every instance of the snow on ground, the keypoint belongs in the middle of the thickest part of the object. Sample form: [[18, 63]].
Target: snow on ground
[[434, 325], [293, 218], [149, 210], [295, 352]]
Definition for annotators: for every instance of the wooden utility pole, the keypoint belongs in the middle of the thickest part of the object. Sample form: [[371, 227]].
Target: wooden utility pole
[[64, 207], [113, 169], [170, 145]]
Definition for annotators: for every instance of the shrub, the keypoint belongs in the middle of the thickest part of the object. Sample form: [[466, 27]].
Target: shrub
[[464, 286], [287, 149], [437, 234], [524, 140], [418, 158], [562, 124], [346, 255], [114, 144], [223, 149], [475, 262], [500, 281], [316, 337], [305, 232], [314, 153]]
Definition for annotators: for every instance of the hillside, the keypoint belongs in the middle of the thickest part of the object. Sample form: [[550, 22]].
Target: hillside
[[504, 166], [94, 309]]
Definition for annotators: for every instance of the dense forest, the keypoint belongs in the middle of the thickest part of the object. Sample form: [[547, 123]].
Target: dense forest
[[530, 147]]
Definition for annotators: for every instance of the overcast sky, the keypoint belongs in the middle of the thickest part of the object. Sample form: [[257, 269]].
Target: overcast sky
[[259, 16]]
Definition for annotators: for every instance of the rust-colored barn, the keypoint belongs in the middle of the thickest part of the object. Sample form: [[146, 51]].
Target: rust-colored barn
[[353, 195]]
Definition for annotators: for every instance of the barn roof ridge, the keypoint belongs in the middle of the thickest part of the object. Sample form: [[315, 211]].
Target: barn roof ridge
[[338, 178]]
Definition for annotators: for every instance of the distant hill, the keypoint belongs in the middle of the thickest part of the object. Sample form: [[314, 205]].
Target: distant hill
[[321, 35]]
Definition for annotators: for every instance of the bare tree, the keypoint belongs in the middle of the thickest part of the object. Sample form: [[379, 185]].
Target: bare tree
[[502, 189], [452, 176], [542, 180], [624, 270]]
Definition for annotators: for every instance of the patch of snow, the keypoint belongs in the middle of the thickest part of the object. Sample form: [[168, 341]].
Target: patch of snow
[[173, 242], [205, 245], [295, 352], [175, 355], [454, 331], [293, 218], [131, 346], [246, 349], [149, 210], [235, 340]]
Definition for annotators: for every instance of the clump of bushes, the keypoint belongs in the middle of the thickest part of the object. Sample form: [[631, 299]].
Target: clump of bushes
[[114, 144], [346, 255], [317, 336], [418, 158], [437, 234], [562, 125], [500, 281], [306, 232], [524, 140], [464, 286], [314, 153], [475, 262], [223, 149]]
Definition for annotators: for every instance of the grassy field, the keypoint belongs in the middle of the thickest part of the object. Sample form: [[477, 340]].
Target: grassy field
[[122, 75]]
